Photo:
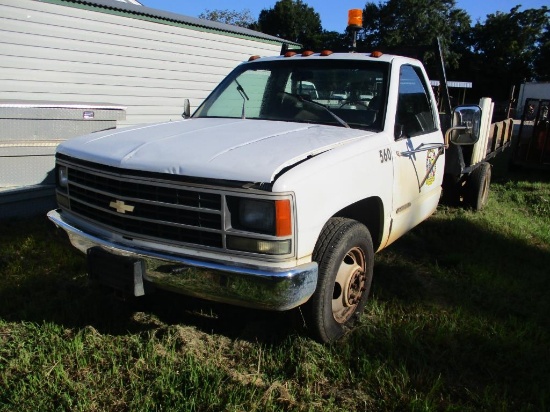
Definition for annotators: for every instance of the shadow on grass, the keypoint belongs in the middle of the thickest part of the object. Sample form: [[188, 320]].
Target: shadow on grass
[[466, 307], [474, 311], [43, 279], [450, 262], [459, 263]]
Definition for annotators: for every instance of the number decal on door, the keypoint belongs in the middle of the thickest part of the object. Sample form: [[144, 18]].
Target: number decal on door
[[385, 155]]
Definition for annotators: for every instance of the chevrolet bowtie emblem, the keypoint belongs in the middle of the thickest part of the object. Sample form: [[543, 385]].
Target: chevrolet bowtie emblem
[[121, 207]]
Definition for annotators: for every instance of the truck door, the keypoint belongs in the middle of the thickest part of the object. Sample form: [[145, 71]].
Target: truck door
[[418, 153]]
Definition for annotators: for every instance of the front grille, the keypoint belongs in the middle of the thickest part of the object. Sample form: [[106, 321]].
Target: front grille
[[146, 208]]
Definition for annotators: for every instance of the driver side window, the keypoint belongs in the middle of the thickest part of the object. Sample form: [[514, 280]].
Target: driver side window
[[414, 115]]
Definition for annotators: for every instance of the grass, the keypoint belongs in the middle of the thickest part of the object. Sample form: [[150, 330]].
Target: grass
[[458, 320]]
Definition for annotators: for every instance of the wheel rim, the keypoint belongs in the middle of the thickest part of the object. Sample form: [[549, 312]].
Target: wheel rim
[[349, 285]]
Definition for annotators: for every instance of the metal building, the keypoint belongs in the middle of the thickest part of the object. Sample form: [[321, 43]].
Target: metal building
[[118, 52], [70, 67]]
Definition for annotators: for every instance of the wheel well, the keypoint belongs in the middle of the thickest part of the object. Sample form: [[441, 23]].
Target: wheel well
[[368, 212]]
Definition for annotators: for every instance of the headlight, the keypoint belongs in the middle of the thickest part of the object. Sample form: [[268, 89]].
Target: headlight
[[62, 176], [270, 217], [267, 223], [257, 215]]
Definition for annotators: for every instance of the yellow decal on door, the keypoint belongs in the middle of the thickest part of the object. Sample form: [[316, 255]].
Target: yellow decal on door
[[430, 166]]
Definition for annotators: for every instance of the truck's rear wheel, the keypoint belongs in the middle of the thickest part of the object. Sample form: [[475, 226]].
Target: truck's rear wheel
[[345, 256], [477, 186]]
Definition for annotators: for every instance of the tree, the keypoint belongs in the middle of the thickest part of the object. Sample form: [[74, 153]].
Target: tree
[[236, 18], [332, 40], [512, 48], [292, 20], [542, 57], [414, 23]]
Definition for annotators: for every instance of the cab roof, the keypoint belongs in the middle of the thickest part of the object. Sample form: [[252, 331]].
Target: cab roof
[[374, 56]]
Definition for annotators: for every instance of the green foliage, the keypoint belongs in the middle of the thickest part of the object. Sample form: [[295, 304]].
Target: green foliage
[[542, 56], [334, 41], [507, 46], [458, 320], [237, 18], [292, 20], [506, 50], [503, 51], [400, 23]]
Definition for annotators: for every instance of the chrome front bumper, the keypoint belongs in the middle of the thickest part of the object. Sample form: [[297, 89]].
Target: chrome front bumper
[[260, 288]]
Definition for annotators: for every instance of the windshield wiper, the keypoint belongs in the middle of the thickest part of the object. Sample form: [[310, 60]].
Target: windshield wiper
[[338, 119], [243, 95]]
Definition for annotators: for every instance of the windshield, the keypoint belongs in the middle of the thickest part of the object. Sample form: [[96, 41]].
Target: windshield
[[344, 93]]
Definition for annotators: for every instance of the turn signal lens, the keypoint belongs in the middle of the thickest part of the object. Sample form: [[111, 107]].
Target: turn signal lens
[[268, 247], [283, 218]]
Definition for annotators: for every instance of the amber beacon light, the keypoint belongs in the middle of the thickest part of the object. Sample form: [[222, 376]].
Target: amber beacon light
[[355, 23], [355, 19]]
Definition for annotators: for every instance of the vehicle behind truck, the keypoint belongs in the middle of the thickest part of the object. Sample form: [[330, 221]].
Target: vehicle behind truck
[[275, 194]]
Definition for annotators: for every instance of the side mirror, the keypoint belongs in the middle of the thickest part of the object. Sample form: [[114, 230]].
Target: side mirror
[[466, 125], [186, 109]]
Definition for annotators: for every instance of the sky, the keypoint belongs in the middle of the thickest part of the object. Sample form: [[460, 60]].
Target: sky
[[334, 13]]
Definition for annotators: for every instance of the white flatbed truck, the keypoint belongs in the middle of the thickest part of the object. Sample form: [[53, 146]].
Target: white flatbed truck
[[277, 191]]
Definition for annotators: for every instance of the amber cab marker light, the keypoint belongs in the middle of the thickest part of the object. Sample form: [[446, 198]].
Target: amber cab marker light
[[290, 54], [326, 52], [252, 58], [376, 53], [283, 220], [307, 53]]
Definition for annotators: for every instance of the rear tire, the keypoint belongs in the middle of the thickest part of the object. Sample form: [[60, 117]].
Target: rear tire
[[477, 186], [345, 255]]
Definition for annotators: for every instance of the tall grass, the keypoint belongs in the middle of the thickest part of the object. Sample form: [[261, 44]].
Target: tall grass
[[458, 320]]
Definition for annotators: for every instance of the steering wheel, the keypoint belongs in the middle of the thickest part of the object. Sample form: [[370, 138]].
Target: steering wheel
[[354, 103]]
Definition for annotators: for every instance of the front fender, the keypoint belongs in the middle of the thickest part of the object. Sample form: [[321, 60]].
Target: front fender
[[334, 180]]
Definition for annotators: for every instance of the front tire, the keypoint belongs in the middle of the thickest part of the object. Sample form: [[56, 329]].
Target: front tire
[[345, 256]]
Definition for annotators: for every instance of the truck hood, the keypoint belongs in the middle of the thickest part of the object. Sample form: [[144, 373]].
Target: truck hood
[[231, 149]]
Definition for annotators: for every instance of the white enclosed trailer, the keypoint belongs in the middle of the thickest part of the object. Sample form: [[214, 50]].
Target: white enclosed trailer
[[532, 90]]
